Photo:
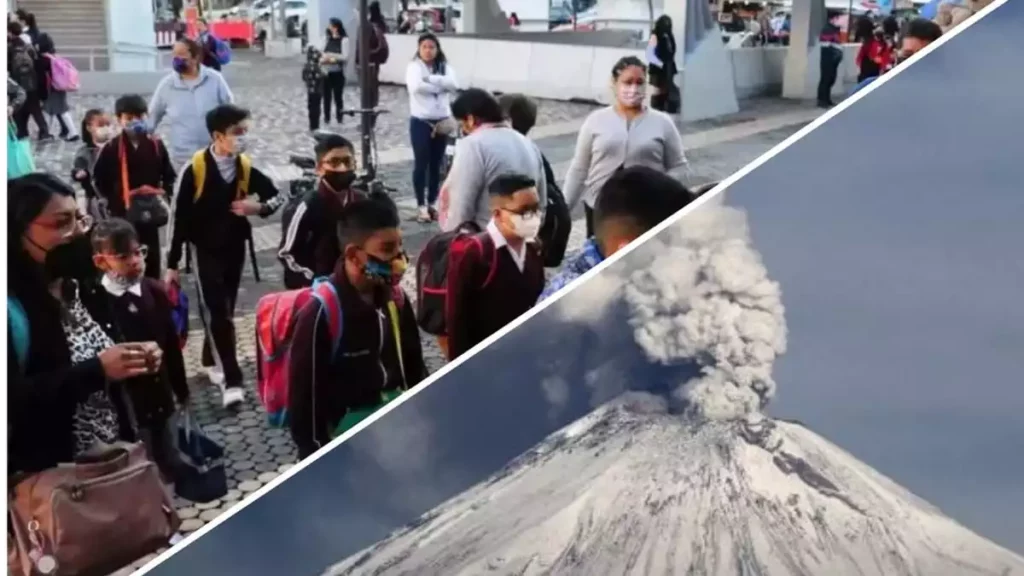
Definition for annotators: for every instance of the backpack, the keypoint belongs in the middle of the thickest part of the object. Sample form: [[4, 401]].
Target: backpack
[[221, 50], [23, 69], [179, 312], [380, 56], [275, 323], [199, 175], [63, 74], [20, 330], [432, 272], [554, 233], [146, 207]]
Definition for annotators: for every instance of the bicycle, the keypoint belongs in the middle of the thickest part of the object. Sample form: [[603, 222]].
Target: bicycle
[[368, 179]]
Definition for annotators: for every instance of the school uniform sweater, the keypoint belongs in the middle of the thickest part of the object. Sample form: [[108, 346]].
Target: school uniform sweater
[[488, 287], [148, 165], [309, 248], [142, 314], [208, 222], [324, 386]]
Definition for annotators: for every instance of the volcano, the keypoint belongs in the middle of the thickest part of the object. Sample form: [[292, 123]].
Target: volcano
[[633, 489]]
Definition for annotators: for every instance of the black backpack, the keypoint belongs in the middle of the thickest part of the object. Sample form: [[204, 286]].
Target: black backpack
[[554, 233], [23, 69], [432, 273], [380, 56]]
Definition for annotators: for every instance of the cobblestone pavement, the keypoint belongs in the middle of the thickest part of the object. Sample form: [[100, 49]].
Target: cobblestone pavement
[[257, 453]]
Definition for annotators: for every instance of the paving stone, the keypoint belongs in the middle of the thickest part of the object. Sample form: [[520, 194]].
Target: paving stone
[[232, 496], [250, 486], [285, 467], [265, 467], [191, 525], [243, 465], [267, 477], [210, 515], [244, 476], [186, 513], [206, 505]]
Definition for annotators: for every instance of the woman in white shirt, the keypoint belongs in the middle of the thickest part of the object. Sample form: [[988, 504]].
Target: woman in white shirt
[[627, 133], [430, 81]]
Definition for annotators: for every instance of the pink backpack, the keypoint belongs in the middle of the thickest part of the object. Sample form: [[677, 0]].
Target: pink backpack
[[63, 75]]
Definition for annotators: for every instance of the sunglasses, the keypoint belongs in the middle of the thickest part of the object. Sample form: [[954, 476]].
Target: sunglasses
[[68, 226]]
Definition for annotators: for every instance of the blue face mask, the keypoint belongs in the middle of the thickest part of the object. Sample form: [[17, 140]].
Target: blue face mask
[[137, 128], [180, 65]]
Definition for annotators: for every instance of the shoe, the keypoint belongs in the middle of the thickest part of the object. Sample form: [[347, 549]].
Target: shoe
[[424, 215], [46, 138], [72, 138], [433, 213], [232, 396], [215, 375]]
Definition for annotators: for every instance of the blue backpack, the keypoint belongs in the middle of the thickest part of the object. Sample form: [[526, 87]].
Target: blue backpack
[[222, 50], [17, 323]]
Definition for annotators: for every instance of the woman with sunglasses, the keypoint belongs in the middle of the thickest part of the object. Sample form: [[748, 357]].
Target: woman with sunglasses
[[63, 371]]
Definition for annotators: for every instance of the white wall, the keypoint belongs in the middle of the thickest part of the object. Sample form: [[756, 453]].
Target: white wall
[[563, 72], [130, 24]]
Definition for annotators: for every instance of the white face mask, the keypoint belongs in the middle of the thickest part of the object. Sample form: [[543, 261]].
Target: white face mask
[[526, 227], [103, 134], [124, 283], [632, 94]]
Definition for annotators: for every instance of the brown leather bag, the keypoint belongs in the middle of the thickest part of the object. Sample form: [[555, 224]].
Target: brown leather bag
[[90, 517]]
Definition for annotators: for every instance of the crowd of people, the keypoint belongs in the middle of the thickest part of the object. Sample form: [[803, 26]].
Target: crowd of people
[[97, 313]]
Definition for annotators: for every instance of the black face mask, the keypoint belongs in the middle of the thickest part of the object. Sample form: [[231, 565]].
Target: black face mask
[[339, 181], [71, 260]]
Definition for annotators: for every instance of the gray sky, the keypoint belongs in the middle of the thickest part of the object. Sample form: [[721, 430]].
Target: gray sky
[[896, 234]]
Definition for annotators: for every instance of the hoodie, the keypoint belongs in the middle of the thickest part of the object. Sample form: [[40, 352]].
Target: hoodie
[[185, 105]]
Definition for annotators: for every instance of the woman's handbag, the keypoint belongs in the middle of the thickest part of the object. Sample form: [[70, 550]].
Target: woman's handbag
[[144, 205], [19, 155], [89, 517], [445, 128], [201, 477]]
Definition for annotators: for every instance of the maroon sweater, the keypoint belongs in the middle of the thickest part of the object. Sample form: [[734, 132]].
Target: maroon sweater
[[486, 290]]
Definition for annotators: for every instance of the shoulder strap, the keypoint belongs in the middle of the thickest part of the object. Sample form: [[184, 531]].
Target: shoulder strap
[[330, 305], [244, 175], [199, 173], [123, 157], [396, 331], [17, 321], [483, 241]]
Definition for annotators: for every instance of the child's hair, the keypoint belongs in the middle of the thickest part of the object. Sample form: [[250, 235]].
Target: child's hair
[[520, 111], [640, 198], [130, 104], [90, 115], [225, 116], [113, 234], [332, 142], [506, 185], [362, 218]]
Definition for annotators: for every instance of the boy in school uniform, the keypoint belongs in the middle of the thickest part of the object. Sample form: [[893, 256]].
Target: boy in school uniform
[[219, 189], [137, 159], [131, 307], [633, 201], [379, 355], [496, 275]]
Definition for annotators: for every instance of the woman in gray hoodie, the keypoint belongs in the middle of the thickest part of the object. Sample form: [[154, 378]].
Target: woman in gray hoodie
[[184, 97]]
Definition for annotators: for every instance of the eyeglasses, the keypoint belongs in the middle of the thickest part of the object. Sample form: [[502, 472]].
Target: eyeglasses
[[67, 226]]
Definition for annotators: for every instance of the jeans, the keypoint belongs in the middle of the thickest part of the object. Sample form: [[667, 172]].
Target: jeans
[[313, 100], [334, 89], [428, 154]]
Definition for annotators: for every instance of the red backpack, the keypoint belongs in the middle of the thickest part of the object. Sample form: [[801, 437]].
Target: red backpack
[[275, 326], [432, 272]]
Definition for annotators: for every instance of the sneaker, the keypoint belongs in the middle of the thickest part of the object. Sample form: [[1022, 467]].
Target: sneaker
[[215, 375], [232, 396], [433, 213], [424, 215], [46, 138], [72, 138]]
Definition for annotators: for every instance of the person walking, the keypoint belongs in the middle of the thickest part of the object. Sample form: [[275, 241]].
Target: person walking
[[184, 98], [831, 57], [430, 82], [661, 67], [622, 135], [55, 102], [23, 69], [334, 59]]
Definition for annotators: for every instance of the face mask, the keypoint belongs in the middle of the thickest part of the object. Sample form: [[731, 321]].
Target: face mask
[[526, 227], [377, 270], [180, 65], [632, 94], [137, 128], [70, 260], [339, 181], [102, 134], [123, 283]]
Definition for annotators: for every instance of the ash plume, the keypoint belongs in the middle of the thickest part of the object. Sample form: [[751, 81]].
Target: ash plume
[[705, 297]]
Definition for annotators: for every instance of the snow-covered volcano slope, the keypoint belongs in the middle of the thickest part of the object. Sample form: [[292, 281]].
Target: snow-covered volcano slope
[[633, 490]]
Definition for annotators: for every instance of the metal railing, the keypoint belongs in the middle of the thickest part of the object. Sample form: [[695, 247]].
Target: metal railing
[[98, 58]]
